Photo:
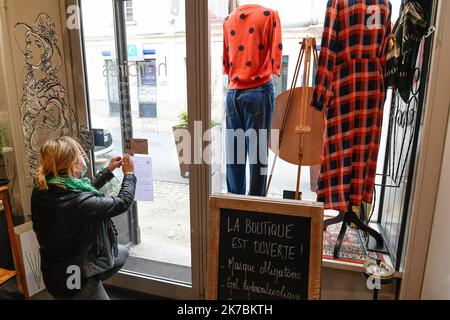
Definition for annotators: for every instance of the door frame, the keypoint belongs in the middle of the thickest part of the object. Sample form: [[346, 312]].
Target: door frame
[[198, 100], [199, 109]]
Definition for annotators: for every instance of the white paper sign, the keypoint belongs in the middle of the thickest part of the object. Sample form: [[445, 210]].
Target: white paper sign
[[144, 174], [31, 257]]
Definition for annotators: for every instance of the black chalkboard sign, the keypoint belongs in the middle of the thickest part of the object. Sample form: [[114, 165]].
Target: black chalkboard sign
[[264, 249]]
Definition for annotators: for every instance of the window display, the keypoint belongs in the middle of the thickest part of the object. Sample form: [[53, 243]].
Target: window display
[[300, 129], [350, 90]]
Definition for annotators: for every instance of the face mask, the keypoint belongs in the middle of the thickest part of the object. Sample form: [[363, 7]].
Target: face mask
[[84, 168]]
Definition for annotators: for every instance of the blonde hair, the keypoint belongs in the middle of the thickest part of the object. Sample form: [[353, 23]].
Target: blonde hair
[[58, 156]]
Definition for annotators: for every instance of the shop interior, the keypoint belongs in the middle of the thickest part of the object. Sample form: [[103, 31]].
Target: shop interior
[[132, 76]]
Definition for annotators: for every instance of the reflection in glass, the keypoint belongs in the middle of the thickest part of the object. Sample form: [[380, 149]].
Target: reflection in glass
[[158, 232]]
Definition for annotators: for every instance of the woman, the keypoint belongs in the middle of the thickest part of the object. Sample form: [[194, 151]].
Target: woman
[[72, 221]]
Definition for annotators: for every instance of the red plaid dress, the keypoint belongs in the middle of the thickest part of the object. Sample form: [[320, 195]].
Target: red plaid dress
[[350, 89]]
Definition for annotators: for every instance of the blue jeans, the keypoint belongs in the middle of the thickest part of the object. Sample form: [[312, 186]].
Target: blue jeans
[[248, 122]]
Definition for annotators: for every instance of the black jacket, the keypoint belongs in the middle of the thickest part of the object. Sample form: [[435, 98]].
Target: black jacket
[[75, 229]]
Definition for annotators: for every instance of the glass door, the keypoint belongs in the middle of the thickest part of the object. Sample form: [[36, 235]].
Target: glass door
[[135, 59]]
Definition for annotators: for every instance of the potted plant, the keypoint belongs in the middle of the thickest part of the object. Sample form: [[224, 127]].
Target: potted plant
[[178, 131], [178, 135], [4, 141]]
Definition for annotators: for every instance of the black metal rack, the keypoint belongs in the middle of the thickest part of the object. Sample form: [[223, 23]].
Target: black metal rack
[[405, 120]]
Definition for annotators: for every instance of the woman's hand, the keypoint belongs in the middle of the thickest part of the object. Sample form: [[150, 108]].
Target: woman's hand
[[115, 163], [127, 164]]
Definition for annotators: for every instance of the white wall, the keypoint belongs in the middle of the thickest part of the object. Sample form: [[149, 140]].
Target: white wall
[[8, 167], [313, 11], [437, 274], [350, 285], [147, 17]]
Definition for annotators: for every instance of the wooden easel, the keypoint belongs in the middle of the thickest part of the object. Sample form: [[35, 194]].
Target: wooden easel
[[304, 125], [5, 275], [303, 128]]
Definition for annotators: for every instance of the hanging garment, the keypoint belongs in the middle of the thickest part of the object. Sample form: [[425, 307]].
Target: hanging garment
[[350, 90], [403, 47], [252, 46]]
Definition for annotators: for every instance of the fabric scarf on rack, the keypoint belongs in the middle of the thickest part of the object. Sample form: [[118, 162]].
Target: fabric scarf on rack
[[403, 47]]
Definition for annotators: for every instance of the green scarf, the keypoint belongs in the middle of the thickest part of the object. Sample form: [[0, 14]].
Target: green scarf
[[77, 185]]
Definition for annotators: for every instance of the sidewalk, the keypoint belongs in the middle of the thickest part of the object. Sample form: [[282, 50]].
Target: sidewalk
[[165, 225]]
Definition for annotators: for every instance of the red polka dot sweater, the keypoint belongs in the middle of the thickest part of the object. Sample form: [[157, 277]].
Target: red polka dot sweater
[[252, 46]]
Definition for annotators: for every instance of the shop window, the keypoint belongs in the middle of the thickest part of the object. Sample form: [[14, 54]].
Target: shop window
[[298, 20], [147, 110], [280, 83], [113, 90], [129, 10], [311, 16], [175, 7], [147, 72], [147, 90]]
